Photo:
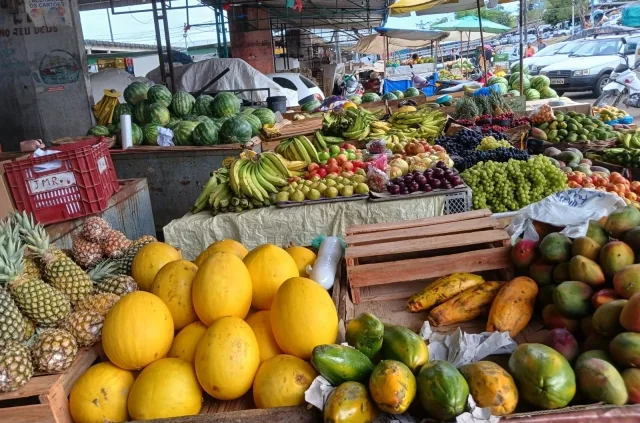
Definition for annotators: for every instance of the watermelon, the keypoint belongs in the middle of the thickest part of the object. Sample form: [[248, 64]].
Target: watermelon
[[539, 82], [202, 105], [136, 134], [411, 92], [158, 113], [516, 77], [532, 94], [225, 105], [514, 92], [398, 94], [219, 121], [548, 92], [172, 124], [266, 116], [160, 94], [255, 123], [371, 97], [235, 130], [191, 117], [515, 85], [310, 106], [357, 100], [99, 131], [389, 96], [497, 80], [121, 109], [247, 110], [135, 93], [202, 119], [114, 129], [183, 131], [182, 103], [150, 133], [516, 68], [206, 133], [141, 113], [503, 87]]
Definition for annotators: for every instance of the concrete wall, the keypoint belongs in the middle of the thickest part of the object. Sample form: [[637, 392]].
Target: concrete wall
[[252, 41], [43, 77]]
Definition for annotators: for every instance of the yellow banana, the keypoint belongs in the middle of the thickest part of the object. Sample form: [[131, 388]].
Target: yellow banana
[[266, 185]]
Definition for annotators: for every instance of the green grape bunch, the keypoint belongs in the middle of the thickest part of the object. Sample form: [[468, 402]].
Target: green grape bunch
[[490, 143]]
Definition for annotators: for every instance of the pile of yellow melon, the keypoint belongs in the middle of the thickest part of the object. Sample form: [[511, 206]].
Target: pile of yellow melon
[[229, 322]]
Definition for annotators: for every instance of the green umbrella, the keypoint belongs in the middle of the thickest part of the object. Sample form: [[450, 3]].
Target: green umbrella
[[471, 24]]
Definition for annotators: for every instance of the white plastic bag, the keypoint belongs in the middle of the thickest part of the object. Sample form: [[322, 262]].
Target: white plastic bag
[[572, 209], [325, 267]]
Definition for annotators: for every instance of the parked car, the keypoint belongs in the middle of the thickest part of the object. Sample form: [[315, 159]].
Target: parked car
[[552, 54], [589, 67], [305, 88]]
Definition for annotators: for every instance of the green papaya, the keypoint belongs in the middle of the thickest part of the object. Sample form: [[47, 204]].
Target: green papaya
[[365, 333], [442, 390], [339, 364], [349, 403], [404, 345]]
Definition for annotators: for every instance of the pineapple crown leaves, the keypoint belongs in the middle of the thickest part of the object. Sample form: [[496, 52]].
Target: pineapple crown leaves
[[104, 269], [11, 258], [32, 234]]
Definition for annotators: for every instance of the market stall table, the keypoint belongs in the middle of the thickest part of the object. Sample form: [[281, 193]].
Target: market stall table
[[568, 107]]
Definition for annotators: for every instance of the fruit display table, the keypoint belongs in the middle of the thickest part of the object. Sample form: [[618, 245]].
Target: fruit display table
[[575, 107]]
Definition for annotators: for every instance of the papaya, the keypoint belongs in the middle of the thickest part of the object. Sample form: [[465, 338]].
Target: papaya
[[561, 272], [553, 319], [404, 345], [490, 386], [442, 289], [586, 247], [339, 364], [604, 296], [627, 280], [543, 376], [601, 354], [442, 390], [545, 296], [632, 238], [471, 304], [606, 319], [513, 306], [364, 333], [599, 381], [631, 379], [596, 342], [542, 272], [555, 248], [572, 298], [630, 316], [585, 270], [614, 256], [562, 341], [622, 220], [625, 349], [392, 386], [586, 325], [524, 253], [596, 232], [349, 403]]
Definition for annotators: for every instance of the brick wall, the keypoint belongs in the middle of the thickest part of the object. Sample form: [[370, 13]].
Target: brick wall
[[251, 40]]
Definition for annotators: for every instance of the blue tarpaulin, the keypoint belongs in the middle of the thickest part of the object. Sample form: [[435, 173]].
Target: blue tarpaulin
[[403, 84]]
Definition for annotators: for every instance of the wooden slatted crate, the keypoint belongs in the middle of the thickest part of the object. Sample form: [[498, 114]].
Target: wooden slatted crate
[[390, 261]]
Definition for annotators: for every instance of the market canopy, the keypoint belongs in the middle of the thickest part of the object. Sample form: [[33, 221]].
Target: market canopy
[[472, 24], [434, 7], [412, 34], [375, 44]]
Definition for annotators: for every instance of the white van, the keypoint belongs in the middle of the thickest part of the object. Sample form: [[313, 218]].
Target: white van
[[552, 54]]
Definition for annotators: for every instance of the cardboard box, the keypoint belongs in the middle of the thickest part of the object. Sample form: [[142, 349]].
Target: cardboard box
[[6, 199]]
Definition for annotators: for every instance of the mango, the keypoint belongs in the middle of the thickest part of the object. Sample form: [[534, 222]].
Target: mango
[[586, 247], [524, 253], [630, 316], [606, 319], [632, 238], [604, 296], [626, 281], [586, 325], [544, 229], [572, 298], [596, 342], [599, 381], [555, 248], [601, 354], [562, 341], [586, 270], [597, 233], [622, 220], [561, 272], [631, 379], [625, 349], [541, 272], [614, 256], [553, 319]]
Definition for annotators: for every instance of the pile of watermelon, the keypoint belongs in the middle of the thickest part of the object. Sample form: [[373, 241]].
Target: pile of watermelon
[[204, 121], [533, 88]]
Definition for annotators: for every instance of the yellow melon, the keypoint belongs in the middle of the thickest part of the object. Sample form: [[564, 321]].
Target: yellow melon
[[260, 322], [303, 257], [269, 267], [222, 287], [226, 245], [166, 388], [100, 394], [149, 260], [281, 382], [172, 285], [227, 358], [137, 331], [303, 316], [186, 341]]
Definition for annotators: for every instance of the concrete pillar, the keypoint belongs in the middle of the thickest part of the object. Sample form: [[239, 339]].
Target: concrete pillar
[[251, 40], [43, 74]]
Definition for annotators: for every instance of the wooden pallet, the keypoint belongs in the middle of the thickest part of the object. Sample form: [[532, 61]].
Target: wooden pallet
[[44, 398], [391, 261]]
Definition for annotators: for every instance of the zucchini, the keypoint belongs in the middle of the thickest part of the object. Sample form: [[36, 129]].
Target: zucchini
[[339, 364]]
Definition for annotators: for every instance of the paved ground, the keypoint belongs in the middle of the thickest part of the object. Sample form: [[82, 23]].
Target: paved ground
[[589, 98]]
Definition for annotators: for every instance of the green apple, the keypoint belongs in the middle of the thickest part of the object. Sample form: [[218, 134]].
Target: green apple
[[334, 150]]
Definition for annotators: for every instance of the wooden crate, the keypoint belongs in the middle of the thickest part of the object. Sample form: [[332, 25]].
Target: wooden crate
[[390, 261], [44, 398]]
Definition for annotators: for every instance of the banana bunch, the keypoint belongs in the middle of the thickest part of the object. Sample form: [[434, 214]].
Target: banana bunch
[[622, 156], [258, 176], [379, 128], [628, 139], [359, 128], [298, 149], [103, 109], [324, 141], [424, 123], [224, 200], [218, 179]]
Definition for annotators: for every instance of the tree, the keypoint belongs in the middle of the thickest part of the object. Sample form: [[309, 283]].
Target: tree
[[497, 15], [557, 11]]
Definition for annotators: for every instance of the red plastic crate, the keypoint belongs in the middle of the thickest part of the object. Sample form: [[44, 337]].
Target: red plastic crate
[[81, 185]]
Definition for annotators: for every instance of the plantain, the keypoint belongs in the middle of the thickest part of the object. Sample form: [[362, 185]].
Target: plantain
[[443, 289], [469, 305]]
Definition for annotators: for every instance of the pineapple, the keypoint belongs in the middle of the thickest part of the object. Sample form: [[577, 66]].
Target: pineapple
[[115, 243], [15, 366], [85, 326], [127, 257], [31, 267], [107, 280], [101, 303], [60, 271], [95, 229], [86, 253], [12, 323], [53, 351], [29, 329]]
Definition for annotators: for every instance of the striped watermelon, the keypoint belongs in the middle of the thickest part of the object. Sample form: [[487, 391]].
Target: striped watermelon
[[310, 106], [202, 106], [150, 133], [399, 94], [183, 132], [99, 131], [136, 134], [135, 93], [121, 109], [172, 123], [206, 133], [202, 119], [182, 103], [158, 113], [141, 113], [225, 104], [114, 129], [247, 110], [235, 130], [266, 116], [160, 94], [255, 123]]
